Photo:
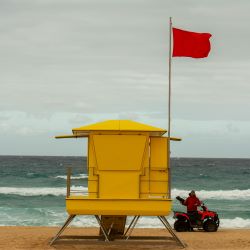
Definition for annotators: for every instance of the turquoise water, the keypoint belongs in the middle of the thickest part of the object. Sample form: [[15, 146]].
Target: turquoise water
[[32, 189]]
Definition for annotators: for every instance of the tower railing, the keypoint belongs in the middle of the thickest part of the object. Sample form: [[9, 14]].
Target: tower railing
[[75, 190]]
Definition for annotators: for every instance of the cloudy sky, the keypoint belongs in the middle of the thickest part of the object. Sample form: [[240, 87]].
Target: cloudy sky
[[67, 63]]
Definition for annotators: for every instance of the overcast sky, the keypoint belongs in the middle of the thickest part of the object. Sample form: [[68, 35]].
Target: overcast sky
[[67, 63]]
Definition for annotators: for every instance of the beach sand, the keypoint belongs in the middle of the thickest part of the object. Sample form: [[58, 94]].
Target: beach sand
[[39, 237]]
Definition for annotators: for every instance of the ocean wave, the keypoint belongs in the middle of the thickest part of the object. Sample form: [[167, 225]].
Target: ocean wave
[[80, 176], [237, 222], [234, 194], [40, 191], [153, 222], [52, 218]]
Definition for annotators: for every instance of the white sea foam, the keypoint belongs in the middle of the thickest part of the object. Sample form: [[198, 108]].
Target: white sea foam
[[237, 222], [234, 194], [153, 222], [80, 176], [36, 191], [56, 219], [50, 217]]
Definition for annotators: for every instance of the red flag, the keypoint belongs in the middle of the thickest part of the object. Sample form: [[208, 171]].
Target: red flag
[[191, 44]]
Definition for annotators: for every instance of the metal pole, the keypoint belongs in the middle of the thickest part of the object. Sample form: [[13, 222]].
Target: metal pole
[[133, 226], [70, 218], [131, 223], [102, 228], [169, 106], [170, 230]]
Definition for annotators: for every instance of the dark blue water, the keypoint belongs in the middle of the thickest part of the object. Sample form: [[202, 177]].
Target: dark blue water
[[32, 189]]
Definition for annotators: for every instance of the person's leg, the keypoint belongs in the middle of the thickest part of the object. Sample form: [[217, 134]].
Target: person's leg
[[193, 215]]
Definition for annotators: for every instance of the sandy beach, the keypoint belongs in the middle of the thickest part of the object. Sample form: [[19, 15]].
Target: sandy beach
[[39, 237]]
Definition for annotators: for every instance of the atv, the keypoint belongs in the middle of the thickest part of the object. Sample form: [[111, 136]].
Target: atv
[[202, 220]]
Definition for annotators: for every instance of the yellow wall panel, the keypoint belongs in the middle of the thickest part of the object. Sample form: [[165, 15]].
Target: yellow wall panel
[[158, 175], [144, 187], [158, 152], [145, 174], [122, 184], [93, 189], [158, 187], [91, 153], [92, 175], [153, 207], [119, 152]]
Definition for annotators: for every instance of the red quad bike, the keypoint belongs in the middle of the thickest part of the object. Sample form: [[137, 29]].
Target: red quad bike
[[203, 219]]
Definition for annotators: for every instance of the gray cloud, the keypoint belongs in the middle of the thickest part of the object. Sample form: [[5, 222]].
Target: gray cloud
[[82, 61]]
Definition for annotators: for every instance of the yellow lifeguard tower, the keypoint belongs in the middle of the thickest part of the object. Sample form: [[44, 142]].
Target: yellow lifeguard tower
[[128, 175]]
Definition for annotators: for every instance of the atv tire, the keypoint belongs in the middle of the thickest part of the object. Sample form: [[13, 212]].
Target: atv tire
[[210, 226], [181, 226]]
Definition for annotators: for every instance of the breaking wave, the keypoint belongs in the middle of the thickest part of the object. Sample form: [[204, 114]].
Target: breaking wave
[[147, 222], [80, 176], [53, 217], [40, 191], [234, 194]]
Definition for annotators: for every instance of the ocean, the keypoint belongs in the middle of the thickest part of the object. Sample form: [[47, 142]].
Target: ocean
[[33, 188]]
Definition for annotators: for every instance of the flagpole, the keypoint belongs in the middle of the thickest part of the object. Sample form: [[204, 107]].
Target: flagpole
[[169, 106]]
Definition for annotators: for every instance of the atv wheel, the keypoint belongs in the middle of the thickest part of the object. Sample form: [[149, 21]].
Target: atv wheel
[[210, 226], [181, 226]]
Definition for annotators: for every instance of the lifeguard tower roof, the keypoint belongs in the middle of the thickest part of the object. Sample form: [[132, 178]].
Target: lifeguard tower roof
[[115, 126], [119, 125]]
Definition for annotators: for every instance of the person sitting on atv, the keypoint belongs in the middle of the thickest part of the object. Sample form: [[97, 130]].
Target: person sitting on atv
[[192, 203]]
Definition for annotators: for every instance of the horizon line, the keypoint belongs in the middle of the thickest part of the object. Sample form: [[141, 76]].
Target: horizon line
[[85, 156]]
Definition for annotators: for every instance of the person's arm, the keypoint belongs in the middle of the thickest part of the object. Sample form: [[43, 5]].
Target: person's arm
[[185, 203], [198, 202], [181, 200]]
